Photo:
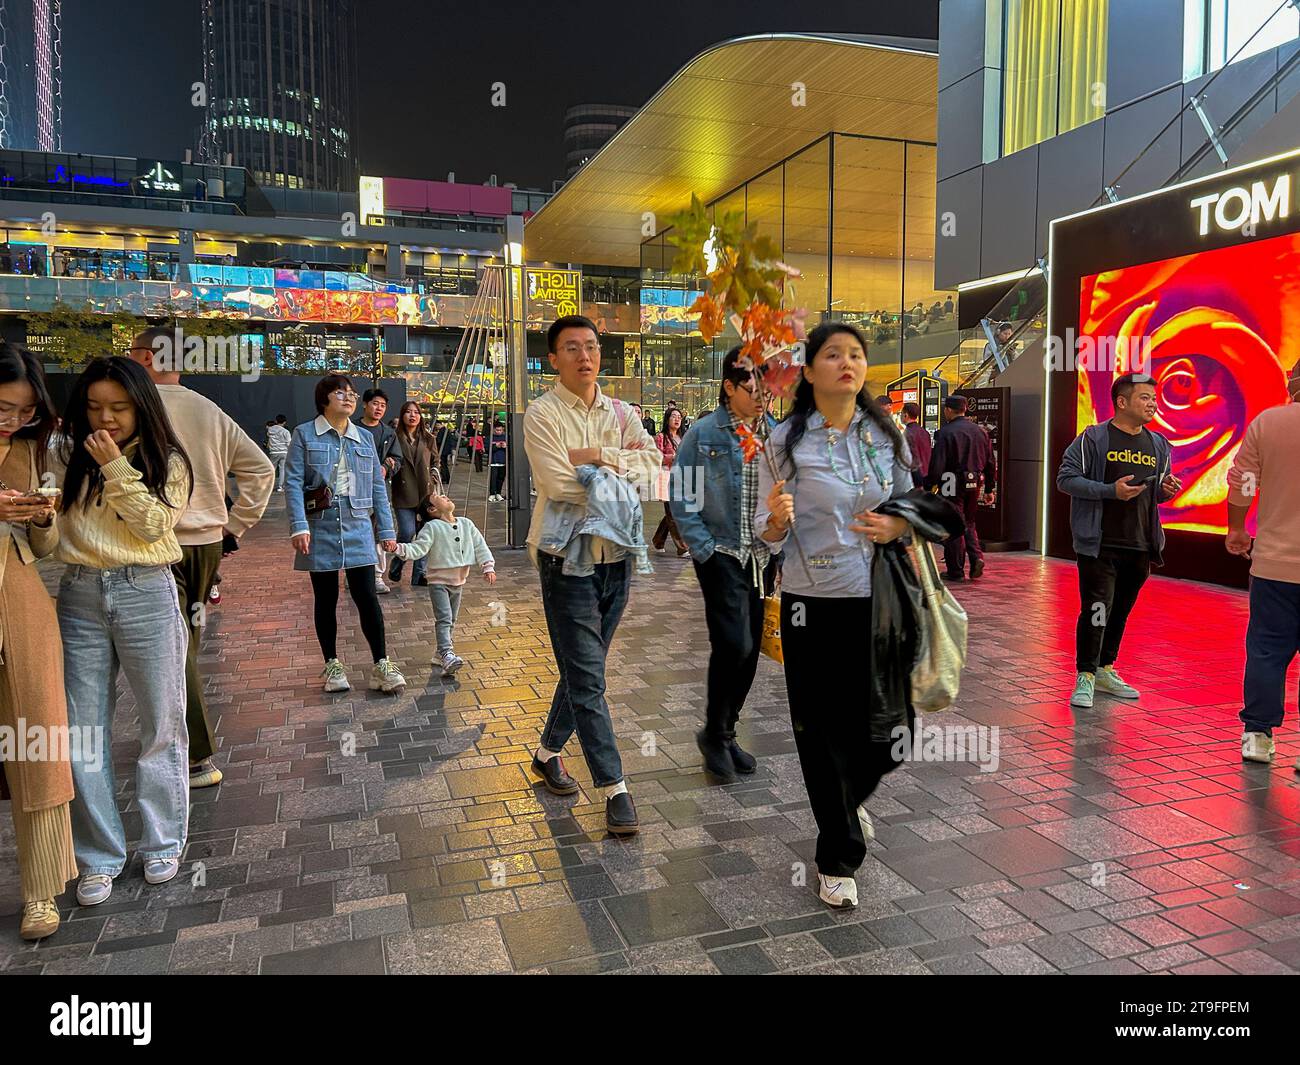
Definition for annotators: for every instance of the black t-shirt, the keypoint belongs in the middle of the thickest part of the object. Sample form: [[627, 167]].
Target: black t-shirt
[[1126, 524]]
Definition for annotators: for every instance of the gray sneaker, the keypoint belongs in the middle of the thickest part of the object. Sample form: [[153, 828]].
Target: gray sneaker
[[1084, 685], [387, 678], [1257, 747], [451, 664], [94, 888]]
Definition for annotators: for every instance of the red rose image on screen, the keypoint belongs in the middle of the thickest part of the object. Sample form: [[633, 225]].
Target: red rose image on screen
[[1220, 331]]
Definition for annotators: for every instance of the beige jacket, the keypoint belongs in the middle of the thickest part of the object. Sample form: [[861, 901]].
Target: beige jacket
[[25, 543]]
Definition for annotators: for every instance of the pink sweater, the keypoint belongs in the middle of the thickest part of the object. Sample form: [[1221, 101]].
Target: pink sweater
[[1267, 468]]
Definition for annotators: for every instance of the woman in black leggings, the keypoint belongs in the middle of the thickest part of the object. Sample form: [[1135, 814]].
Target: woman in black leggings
[[332, 452]]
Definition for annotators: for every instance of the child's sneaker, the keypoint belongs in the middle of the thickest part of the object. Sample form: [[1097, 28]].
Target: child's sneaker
[[451, 663]]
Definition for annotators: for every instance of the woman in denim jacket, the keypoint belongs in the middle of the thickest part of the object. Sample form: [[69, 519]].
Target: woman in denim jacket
[[331, 450]]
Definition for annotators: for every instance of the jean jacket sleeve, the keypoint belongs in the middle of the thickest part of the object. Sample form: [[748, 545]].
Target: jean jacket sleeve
[[295, 471]]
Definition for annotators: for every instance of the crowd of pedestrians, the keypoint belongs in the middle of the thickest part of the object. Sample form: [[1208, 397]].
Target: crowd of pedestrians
[[129, 491]]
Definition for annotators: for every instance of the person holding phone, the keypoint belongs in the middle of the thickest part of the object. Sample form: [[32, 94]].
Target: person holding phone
[[126, 484], [1117, 475], [31, 656]]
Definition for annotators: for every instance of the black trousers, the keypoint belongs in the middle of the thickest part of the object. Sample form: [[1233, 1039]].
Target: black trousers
[[498, 480], [195, 574], [733, 611], [829, 709], [361, 586], [1108, 588], [955, 548]]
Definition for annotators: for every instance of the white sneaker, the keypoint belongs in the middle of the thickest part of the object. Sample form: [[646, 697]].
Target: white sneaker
[[451, 662], [94, 888], [1110, 682], [386, 678], [1083, 688], [160, 870], [1256, 747], [838, 891], [868, 826], [380, 587], [336, 677]]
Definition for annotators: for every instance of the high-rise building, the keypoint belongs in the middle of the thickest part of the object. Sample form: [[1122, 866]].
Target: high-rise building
[[31, 113], [586, 129], [282, 87]]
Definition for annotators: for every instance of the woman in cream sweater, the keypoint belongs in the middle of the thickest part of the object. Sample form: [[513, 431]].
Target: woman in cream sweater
[[126, 484], [31, 662]]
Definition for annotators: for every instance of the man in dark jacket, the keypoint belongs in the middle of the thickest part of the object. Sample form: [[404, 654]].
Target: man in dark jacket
[[918, 439], [961, 467], [375, 402], [1117, 475]]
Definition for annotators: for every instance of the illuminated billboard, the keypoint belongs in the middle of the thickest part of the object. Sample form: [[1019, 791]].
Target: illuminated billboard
[[667, 310], [551, 294], [1216, 348]]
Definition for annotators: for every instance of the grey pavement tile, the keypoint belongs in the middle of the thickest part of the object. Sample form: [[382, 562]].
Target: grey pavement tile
[[472, 947], [558, 933]]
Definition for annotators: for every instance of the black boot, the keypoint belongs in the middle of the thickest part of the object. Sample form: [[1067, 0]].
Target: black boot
[[743, 761], [717, 756]]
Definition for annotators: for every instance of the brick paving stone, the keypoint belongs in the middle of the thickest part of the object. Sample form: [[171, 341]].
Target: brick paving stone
[[368, 833]]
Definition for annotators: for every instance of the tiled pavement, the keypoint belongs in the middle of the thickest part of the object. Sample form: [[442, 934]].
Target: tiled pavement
[[1127, 839]]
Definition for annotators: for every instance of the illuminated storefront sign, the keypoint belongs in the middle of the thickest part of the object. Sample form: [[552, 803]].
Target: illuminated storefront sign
[[1185, 278], [1239, 206], [552, 294], [371, 193], [159, 179]]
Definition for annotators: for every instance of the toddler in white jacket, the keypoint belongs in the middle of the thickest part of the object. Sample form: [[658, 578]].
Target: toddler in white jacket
[[451, 544]]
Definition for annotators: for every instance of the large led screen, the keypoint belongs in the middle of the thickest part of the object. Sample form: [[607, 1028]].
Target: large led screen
[[1220, 331]]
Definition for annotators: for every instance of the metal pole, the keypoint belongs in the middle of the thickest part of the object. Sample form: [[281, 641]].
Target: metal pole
[[512, 319]]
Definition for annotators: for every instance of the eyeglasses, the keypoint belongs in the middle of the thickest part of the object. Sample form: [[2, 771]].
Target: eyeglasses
[[591, 348], [23, 421], [344, 394]]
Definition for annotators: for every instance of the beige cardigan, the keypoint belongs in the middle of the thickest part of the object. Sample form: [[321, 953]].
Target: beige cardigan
[[29, 542]]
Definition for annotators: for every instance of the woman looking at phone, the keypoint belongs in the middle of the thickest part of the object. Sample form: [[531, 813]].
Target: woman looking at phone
[[31, 659], [126, 484]]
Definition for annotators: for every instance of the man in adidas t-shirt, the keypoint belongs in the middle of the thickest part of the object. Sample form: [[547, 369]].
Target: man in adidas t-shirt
[[1118, 474]]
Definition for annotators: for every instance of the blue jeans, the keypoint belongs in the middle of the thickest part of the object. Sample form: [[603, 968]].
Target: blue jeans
[[446, 607], [582, 614], [1272, 640], [406, 533], [127, 618]]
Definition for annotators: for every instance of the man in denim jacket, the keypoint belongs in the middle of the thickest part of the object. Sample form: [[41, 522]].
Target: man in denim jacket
[[714, 494], [573, 425]]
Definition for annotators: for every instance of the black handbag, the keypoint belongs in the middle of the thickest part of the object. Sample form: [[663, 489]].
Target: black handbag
[[317, 500]]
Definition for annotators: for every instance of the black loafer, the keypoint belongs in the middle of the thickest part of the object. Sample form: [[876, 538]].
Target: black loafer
[[620, 815], [743, 761], [557, 781], [953, 578], [977, 570], [717, 757]]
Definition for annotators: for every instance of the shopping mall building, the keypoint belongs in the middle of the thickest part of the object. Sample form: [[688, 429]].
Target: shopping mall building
[[827, 143]]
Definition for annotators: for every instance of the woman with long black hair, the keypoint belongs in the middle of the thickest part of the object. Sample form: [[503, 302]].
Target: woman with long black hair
[[668, 441], [335, 462], [126, 484], [842, 459], [31, 656], [413, 483]]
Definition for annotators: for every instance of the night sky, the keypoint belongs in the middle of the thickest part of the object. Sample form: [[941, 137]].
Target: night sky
[[427, 68]]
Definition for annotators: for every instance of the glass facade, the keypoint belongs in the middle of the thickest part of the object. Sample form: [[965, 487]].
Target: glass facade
[[856, 216], [1053, 68]]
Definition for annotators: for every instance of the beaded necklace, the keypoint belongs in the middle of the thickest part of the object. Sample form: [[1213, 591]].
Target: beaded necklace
[[867, 453]]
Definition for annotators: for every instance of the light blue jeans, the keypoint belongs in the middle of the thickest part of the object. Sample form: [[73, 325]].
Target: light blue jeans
[[127, 618], [446, 607]]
